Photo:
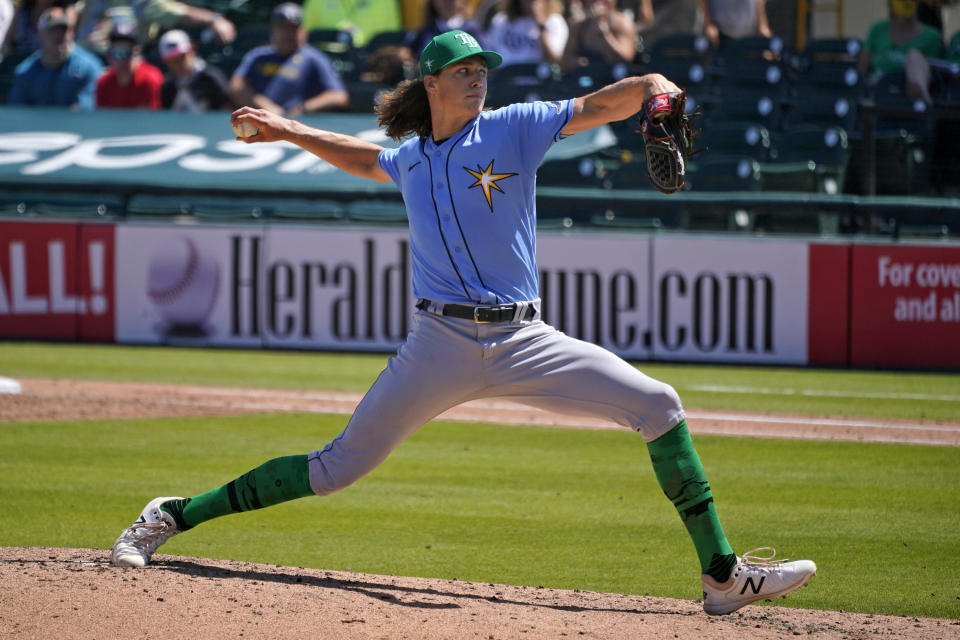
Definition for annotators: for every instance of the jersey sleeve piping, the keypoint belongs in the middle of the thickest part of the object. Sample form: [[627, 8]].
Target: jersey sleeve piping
[[569, 109]]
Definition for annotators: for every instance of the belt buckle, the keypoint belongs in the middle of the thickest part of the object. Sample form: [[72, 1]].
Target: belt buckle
[[476, 315]]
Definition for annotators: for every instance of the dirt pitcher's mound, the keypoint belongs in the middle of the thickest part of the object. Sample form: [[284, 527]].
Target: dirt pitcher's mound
[[76, 593]]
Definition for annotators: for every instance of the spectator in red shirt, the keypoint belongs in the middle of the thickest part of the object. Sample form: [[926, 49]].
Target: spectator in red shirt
[[131, 82]]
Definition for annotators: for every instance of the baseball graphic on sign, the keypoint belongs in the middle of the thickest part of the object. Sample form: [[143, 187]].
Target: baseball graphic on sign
[[183, 282]]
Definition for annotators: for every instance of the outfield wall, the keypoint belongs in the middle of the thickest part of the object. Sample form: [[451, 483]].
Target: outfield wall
[[645, 297]]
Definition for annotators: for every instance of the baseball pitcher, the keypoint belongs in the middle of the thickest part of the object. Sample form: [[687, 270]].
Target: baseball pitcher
[[467, 176]]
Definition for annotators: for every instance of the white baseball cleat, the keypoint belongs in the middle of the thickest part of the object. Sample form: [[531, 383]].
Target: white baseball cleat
[[137, 543], [755, 578]]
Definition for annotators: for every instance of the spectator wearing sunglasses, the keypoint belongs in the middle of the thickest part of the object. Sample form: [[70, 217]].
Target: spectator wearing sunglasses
[[131, 82]]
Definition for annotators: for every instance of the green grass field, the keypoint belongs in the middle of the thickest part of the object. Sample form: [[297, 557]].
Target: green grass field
[[552, 507]]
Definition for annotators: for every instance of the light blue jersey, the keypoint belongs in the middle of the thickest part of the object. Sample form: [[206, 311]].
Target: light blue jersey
[[471, 202]]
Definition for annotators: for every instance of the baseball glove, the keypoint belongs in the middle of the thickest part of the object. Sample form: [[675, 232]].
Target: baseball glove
[[667, 140]]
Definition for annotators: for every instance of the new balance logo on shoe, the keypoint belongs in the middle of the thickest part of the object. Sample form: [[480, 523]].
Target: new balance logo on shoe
[[756, 576], [754, 587]]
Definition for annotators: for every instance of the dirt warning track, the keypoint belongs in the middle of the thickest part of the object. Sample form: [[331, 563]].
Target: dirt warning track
[[43, 399]]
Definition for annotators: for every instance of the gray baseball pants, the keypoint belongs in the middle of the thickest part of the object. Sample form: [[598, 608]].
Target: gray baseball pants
[[447, 361]]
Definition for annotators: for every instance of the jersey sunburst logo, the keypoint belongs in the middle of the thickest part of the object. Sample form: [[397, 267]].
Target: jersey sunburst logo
[[487, 180]]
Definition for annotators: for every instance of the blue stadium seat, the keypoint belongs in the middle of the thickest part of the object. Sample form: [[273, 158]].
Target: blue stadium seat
[[889, 93], [823, 144], [522, 82], [752, 104], [739, 138], [586, 171], [759, 73], [594, 76], [327, 40], [394, 38], [693, 76], [840, 76], [363, 95], [250, 36], [584, 80], [808, 158], [680, 47], [724, 173], [526, 74], [503, 95], [832, 50], [337, 44], [823, 106], [735, 51]]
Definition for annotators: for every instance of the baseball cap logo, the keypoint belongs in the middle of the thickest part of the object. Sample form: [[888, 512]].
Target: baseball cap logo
[[453, 46], [468, 40]]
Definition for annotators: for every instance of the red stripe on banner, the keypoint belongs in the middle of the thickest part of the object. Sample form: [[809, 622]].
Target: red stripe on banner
[[38, 280], [828, 311], [906, 306], [49, 288], [96, 283]]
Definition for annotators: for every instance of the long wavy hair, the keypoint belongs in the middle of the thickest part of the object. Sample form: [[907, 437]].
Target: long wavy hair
[[405, 110]]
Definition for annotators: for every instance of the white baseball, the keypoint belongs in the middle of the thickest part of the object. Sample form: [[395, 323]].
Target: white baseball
[[183, 282], [244, 129]]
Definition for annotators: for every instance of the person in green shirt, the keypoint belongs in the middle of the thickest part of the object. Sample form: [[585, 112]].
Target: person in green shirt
[[363, 18], [902, 42]]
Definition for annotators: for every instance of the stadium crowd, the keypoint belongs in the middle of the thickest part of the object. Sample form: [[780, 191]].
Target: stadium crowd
[[171, 54], [333, 56]]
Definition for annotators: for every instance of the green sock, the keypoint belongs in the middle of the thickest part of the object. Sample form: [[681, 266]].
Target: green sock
[[273, 482], [681, 476]]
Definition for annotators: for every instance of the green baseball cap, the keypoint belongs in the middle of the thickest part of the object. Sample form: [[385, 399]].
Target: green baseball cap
[[453, 46]]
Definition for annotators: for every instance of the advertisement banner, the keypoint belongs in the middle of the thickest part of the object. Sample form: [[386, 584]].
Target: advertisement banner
[[906, 306], [596, 288], [298, 287], [311, 288], [343, 289], [730, 300], [162, 149], [56, 281], [674, 298]]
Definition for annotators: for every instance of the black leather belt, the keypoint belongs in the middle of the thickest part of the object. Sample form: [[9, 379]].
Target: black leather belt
[[481, 314]]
